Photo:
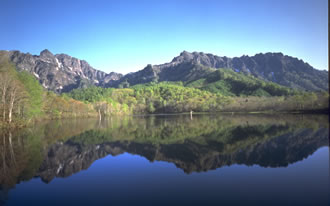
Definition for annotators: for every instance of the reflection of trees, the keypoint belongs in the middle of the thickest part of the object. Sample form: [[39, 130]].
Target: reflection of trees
[[209, 142], [170, 130], [9, 165], [10, 169], [22, 151], [12, 154], [62, 148], [190, 155]]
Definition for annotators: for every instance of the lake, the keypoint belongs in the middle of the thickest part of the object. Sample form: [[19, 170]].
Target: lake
[[219, 159]]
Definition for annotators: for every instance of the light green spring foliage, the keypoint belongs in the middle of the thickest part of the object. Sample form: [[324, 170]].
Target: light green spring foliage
[[234, 92], [32, 101], [34, 98], [154, 97], [27, 92]]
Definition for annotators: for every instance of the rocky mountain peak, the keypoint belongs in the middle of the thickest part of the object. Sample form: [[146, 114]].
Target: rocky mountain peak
[[184, 57], [276, 54], [60, 72], [149, 67], [185, 53], [276, 67], [46, 53]]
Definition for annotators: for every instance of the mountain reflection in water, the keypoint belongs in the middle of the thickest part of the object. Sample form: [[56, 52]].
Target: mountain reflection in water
[[205, 142]]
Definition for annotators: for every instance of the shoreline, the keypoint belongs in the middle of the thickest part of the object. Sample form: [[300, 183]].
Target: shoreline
[[22, 124]]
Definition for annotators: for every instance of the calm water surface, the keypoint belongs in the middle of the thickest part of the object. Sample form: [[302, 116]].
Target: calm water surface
[[168, 160]]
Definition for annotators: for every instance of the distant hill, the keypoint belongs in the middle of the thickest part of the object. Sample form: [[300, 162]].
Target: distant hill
[[230, 83], [62, 73], [275, 67]]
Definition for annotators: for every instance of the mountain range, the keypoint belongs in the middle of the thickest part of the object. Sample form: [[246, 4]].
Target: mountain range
[[62, 73]]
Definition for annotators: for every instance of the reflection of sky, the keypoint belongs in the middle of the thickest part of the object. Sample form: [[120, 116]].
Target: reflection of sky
[[132, 180]]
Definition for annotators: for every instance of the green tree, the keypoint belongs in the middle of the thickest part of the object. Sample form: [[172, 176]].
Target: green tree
[[151, 108], [34, 91]]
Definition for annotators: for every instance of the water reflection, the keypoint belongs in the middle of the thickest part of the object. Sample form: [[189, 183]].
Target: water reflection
[[62, 148]]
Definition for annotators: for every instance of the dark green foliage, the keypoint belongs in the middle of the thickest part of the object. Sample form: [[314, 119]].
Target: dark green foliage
[[230, 83], [90, 94]]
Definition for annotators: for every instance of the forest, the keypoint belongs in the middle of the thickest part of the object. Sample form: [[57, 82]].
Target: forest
[[24, 100]]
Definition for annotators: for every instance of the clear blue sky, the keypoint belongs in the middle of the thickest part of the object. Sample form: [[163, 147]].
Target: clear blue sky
[[125, 36]]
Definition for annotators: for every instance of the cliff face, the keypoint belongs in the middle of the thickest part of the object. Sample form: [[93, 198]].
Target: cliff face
[[60, 72], [276, 67]]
